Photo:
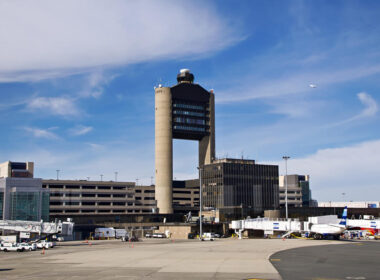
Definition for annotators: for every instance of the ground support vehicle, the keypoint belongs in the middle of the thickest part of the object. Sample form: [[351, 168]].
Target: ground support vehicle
[[9, 247], [29, 246], [44, 244], [159, 235]]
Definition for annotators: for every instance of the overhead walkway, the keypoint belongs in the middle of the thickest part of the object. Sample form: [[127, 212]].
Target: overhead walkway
[[64, 228]]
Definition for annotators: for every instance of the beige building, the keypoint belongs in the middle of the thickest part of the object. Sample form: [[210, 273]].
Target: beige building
[[298, 190], [184, 111], [86, 198], [16, 169], [73, 197]]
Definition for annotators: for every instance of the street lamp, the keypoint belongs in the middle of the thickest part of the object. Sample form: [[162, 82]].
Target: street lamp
[[286, 184], [200, 202], [58, 174], [116, 176]]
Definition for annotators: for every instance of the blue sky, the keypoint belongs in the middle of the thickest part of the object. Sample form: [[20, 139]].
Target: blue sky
[[77, 78]]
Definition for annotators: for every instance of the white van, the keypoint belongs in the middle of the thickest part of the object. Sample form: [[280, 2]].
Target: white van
[[9, 247]]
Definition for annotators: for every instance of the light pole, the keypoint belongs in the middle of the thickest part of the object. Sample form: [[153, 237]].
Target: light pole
[[58, 174], [116, 176], [101, 177], [200, 203], [286, 184]]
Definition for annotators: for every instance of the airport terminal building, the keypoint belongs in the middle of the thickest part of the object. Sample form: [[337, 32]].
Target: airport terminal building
[[240, 183], [22, 196]]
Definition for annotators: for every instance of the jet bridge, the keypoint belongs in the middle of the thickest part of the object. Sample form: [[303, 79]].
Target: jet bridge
[[267, 225], [64, 228]]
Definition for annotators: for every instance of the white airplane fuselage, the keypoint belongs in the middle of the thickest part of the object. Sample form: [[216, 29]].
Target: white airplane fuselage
[[327, 229]]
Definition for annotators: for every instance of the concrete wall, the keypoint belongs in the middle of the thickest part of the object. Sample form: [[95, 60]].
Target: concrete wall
[[5, 169], [176, 232], [163, 149]]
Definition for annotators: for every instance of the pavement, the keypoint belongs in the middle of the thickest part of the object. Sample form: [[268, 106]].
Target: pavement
[[152, 259], [349, 260]]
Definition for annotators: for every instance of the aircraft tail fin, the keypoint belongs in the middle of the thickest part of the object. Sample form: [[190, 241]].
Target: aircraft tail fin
[[343, 222]]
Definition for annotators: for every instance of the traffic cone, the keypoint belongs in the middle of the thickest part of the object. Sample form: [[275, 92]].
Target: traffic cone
[[43, 251]]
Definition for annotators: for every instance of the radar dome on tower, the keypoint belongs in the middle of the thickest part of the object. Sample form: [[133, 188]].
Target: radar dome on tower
[[185, 76]]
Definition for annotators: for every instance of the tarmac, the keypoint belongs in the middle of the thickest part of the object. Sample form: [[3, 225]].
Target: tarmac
[[152, 259], [351, 260]]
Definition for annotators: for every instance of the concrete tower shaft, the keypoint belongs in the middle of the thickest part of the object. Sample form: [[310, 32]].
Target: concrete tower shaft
[[163, 149], [207, 143]]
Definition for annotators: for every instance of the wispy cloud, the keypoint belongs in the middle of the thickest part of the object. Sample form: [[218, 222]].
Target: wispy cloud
[[62, 106], [370, 110], [41, 133], [47, 39], [80, 130], [370, 104], [95, 83], [95, 147]]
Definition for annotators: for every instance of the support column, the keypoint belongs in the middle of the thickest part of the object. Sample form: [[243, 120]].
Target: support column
[[163, 150], [207, 144]]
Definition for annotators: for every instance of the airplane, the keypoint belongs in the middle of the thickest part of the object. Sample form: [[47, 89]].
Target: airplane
[[319, 231], [312, 85]]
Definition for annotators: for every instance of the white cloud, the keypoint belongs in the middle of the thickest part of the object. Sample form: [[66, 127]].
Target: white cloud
[[80, 130], [95, 147], [371, 105], [41, 133], [370, 110], [50, 38], [353, 170], [95, 83], [62, 106]]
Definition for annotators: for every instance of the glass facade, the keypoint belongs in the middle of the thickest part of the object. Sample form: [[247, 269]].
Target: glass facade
[[1, 204], [234, 183], [45, 206], [190, 119], [306, 193], [27, 206]]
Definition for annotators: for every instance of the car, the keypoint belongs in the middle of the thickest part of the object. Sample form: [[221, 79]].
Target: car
[[9, 247], [191, 235], [28, 246], [159, 235], [44, 244], [57, 238], [208, 236], [148, 235]]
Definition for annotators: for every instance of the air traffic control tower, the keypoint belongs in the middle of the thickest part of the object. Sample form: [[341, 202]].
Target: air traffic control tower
[[184, 111]]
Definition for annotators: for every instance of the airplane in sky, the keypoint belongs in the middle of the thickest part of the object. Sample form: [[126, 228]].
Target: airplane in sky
[[313, 85]]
